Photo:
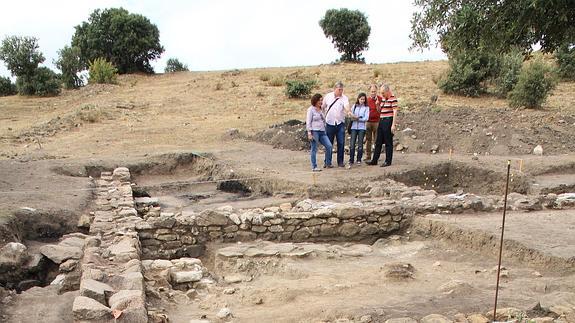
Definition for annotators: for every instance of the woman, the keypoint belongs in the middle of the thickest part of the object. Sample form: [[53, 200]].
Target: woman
[[360, 115], [315, 125]]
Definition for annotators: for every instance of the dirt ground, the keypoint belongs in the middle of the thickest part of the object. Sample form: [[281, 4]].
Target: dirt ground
[[327, 285], [49, 147]]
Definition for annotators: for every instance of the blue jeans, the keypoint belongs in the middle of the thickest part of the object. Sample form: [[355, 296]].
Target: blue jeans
[[339, 133], [356, 135], [320, 137]]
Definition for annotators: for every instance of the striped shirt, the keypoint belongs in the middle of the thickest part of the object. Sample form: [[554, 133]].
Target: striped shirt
[[388, 106]]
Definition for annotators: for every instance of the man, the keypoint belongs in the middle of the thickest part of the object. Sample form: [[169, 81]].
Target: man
[[335, 107], [386, 127], [373, 102]]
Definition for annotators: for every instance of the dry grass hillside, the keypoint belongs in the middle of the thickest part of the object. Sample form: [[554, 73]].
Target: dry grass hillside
[[193, 110]]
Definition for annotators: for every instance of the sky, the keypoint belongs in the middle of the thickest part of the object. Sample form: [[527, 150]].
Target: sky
[[225, 34]]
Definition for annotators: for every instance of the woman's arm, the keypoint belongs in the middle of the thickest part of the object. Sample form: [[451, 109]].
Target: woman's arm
[[364, 116]]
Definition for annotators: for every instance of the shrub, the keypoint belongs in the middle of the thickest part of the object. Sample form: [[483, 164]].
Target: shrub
[[264, 77], [468, 72], [174, 65], [565, 56], [508, 73], [299, 89], [44, 82], [7, 87], [535, 83], [90, 113], [277, 81], [102, 71]]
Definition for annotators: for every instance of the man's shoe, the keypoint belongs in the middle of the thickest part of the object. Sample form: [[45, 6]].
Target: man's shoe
[[371, 163], [385, 164], [316, 170], [327, 166]]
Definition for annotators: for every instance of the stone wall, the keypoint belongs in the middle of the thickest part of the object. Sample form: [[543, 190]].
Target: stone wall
[[169, 235]]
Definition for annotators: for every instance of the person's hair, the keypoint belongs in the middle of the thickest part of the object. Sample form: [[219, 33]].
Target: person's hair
[[315, 98], [359, 96], [385, 88], [373, 86], [338, 85]]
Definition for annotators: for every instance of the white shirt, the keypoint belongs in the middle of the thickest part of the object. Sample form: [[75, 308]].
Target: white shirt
[[336, 114]]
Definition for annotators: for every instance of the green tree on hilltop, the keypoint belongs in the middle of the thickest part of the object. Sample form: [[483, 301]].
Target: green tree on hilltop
[[349, 32], [129, 41]]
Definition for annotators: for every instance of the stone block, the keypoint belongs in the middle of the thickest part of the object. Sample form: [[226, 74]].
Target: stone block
[[210, 217], [298, 215], [348, 212], [87, 309], [59, 254], [349, 229], [327, 230], [301, 234], [276, 228], [369, 229], [259, 228], [121, 174], [180, 277], [435, 318], [95, 290], [313, 222], [132, 281]]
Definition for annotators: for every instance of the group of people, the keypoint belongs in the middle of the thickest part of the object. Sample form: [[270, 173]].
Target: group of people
[[372, 116]]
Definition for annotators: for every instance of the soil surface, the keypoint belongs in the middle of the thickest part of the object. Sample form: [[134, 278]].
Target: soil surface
[[170, 130]]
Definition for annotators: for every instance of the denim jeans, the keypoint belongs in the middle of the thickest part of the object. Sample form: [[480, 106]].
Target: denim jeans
[[339, 133], [320, 137], [356, 136]]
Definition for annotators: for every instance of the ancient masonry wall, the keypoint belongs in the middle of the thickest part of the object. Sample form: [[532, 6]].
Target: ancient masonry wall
[[169, 235], [112, 283]]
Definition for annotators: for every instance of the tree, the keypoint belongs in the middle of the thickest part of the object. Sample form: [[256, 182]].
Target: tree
[[129, 41], [22, 58], [21, 55], [349, 32], [70, 64], [174, 65], [494, 25]]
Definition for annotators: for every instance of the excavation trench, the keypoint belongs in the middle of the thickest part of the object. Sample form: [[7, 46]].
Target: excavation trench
[[262, 244]]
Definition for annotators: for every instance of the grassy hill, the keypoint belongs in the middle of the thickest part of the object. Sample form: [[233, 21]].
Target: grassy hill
[[192, 110]]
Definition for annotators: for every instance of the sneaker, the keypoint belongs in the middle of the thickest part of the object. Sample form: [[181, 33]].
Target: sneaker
[[371, 163], [348, 166], [316, 170], [327, 166], [358, 163], [385, 164]]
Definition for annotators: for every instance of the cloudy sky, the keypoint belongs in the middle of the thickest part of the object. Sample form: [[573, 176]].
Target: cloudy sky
[[225, 34]]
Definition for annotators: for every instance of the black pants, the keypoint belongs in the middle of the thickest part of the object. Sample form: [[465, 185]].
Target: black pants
[[384, 136]]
